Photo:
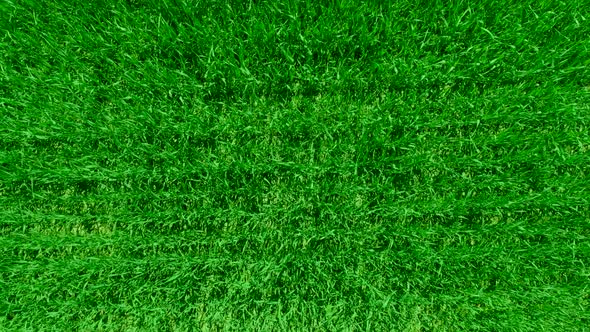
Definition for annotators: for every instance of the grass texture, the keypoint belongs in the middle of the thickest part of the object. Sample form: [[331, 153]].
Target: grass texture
[[294, 165]]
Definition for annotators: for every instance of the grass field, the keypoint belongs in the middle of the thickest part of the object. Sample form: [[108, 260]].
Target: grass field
[[294, 165]]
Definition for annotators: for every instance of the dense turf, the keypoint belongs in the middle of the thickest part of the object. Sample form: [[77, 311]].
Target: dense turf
[[294, 165]]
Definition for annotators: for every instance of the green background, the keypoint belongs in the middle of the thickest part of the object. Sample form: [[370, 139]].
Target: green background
[[295, 165]]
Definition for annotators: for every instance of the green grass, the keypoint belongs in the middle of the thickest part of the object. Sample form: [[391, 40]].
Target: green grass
[[295, 165]]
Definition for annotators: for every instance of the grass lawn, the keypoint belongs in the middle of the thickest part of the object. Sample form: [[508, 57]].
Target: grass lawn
[[240, 165]]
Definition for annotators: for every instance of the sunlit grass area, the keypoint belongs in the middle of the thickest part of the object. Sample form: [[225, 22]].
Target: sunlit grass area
[[294, 165]]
